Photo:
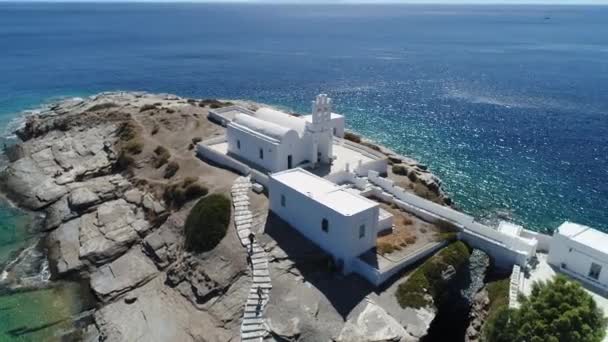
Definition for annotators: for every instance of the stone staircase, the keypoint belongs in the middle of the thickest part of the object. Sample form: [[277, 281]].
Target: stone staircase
[[253, 326]]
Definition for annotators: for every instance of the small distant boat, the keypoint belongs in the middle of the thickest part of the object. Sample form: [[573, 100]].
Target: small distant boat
[[547, 17]]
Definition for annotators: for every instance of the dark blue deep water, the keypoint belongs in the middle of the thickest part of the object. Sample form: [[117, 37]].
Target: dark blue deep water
[[508, 105]]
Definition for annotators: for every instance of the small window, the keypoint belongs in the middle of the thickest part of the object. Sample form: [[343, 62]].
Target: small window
[[261, 153], [594, 271], [282, 200], [238, 144], [334, 130], [361, 231], [564, 266], [325, 225]]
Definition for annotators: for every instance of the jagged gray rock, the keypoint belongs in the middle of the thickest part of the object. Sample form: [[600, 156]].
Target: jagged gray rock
[[122, 275], [373, 324], [110, 230]]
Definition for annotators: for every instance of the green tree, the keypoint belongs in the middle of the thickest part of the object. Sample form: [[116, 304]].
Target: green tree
[[556, 311]]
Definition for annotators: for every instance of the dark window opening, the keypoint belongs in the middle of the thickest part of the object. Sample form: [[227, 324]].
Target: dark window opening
[[325, 225]]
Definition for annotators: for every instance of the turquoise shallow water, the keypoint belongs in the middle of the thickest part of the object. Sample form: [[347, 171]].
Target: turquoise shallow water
[[507, 104]]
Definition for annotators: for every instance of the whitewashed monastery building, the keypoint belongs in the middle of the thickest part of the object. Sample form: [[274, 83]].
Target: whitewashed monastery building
[[581, 252], [275, 141]]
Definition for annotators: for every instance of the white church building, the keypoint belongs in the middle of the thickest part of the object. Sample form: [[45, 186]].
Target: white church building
[[275, 141], [341, 222]]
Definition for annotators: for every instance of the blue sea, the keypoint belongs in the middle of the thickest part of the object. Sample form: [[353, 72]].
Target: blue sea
[[508, 105]]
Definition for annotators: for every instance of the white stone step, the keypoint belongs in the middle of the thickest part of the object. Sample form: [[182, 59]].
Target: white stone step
[[249, 315], [243, 233], [259, 261], [258, 255], [253, 334], [261, 279], [260, 266], [252, 327], [254, 295], [262, 285], [244, 226], [248, 321], [260, 273], [254, 302], [254, 308]]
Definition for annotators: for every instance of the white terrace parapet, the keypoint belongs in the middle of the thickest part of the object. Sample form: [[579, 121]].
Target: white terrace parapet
[[479, 233]]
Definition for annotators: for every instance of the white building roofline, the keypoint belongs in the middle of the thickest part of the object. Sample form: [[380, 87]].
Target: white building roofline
[[585, 235], [324, 191]]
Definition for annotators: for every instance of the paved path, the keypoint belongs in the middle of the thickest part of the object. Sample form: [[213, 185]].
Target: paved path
[[253, 327]]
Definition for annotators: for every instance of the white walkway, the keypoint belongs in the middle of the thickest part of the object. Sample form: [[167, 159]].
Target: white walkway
[[253, 327]]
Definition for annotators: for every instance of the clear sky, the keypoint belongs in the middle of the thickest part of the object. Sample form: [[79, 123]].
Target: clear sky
[[553, 2]]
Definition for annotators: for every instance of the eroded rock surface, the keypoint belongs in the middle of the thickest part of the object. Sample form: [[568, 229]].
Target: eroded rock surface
[[122, 274]]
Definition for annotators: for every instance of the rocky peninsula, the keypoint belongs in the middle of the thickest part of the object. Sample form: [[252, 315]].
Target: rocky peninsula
[[115, 176]]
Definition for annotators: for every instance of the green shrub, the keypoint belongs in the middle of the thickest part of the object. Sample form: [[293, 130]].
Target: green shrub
[[171, 169], [207, 223], [161, 156], [134, 146], [400, 170], [427, 279], [352, 137], [213, 103]]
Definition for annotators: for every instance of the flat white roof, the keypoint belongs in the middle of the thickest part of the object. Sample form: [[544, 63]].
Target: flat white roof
[[585, 235], [324, 191]]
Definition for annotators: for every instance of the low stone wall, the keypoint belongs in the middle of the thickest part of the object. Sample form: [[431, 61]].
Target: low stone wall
[[377, 277], [205, 152], [503, 247]]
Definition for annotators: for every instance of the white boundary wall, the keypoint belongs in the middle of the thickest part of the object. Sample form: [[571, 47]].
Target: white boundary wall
[[205, 152], [505, 249]]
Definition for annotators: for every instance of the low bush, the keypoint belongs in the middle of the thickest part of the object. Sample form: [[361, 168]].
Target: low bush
[[133, 146], [127, 131], [447, 236], [207, 223], [214, 104], [171, 169], [161, 156], [412, 176], [155, 128], [124, 162], [102, 106], [196, 140], [385, 248], [427, 278], [177, 194], [147, 107], [352, 137], [399, 169]]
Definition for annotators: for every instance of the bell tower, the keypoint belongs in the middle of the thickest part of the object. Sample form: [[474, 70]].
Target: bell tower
[[321, 130]]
